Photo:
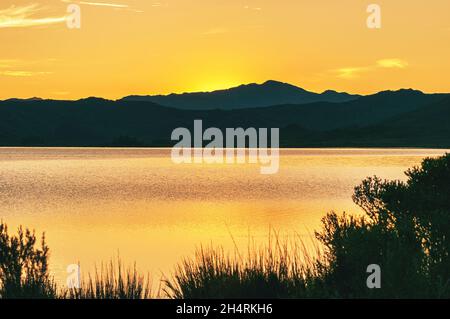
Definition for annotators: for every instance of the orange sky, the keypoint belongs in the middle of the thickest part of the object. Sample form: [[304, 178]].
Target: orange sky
[[148, 47]]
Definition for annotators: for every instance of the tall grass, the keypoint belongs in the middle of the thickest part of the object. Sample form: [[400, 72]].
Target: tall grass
[[24, 273], [112, 281], [281, 269]]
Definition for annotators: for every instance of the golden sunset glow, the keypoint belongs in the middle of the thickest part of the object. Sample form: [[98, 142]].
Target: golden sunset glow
[[113, 208], [155, 47]]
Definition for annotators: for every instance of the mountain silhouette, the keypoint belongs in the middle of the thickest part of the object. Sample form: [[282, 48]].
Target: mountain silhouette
[[244, 96], [425, 126], [428, 125], [389, 118]]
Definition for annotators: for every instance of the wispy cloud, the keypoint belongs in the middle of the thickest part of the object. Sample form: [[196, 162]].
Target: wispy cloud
[[253, 8], [24, 16], [22, 73], [392, 63], [104, 4], [349, 73], [113, 5], [355, 72], [7, 63], [18, 68]]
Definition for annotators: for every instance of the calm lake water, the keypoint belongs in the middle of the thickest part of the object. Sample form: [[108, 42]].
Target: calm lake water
[[95, 204]]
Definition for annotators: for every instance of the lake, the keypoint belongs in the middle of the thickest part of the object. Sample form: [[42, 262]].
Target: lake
[[98, 203]]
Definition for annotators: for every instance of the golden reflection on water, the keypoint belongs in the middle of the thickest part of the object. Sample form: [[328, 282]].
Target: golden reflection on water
[[95, 203]]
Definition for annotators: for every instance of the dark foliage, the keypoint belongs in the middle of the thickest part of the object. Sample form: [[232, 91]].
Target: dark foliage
[[406, 231], [23, 266]]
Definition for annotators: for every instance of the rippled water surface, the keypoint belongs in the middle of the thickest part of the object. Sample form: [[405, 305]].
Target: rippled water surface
[[95, 204]]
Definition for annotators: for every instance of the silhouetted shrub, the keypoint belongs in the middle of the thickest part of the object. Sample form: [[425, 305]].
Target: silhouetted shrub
[[406, 230], [23, 267]]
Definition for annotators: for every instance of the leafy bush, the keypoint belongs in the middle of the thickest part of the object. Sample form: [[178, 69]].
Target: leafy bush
[[23, 267], [406, 230]]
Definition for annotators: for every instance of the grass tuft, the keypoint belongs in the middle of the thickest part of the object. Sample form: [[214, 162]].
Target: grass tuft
[[281, 269], [112, 282]]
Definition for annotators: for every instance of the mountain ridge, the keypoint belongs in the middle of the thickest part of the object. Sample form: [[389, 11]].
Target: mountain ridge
[[328, 95], [252, 95], [394, 118]]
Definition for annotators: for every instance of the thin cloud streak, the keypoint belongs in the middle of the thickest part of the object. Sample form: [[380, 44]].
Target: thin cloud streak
[[22, 16], [99, 4], [116, 6], [355, 72], [392, 63], [103, 4], [350, 73], [20, 68], [22, 73], [8, 63]]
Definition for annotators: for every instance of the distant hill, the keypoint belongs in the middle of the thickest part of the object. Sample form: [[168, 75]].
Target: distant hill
[[325, 116], [427, 126], [388, 118], [244, 96]]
